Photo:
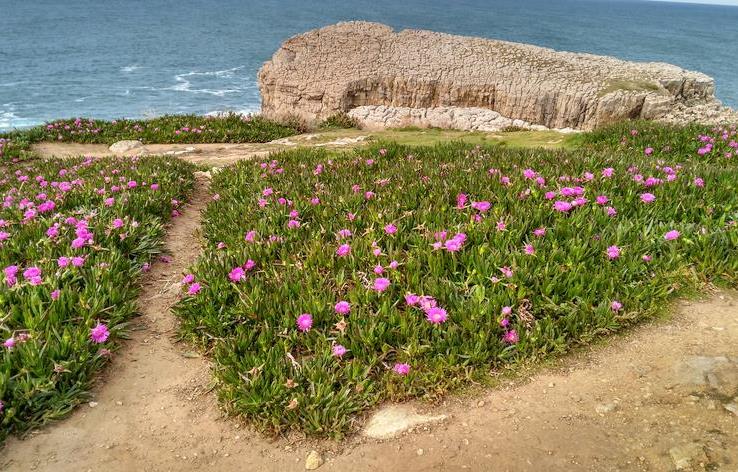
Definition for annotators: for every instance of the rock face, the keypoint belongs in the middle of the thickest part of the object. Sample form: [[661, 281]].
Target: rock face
[[125, 146], [358, 64]]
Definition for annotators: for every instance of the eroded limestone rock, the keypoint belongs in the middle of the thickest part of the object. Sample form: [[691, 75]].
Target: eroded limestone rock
[[359, 64]]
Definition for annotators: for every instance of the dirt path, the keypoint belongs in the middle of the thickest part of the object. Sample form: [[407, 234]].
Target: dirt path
[[215, 154], [657, 392]]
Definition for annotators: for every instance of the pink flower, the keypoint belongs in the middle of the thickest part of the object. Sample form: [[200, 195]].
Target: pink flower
[[390, 229], [63, 261], [529, 249], [648, 197], [237, 274], [99, 334], [481, 206], [78, 261], [506, 310], [648, 151], [250, 236], [194, 289], [611, 211], [394, 265], [381, 284], [344, 233], [117, 223], [378, 269], [672, 235], [601, 200], [616, 306], [436, 315], [613, 252], [250, 264], [608, 172], [562, 206], [401, 369], [461, 200], [292, 224], [188, 279], [539, 232], [343, 250], [55, 294], [343, 307], [646, 258], [506, 271], [9, 343], [511, 337], [412, 299], [339, 350], [305, 322], [698, 182]]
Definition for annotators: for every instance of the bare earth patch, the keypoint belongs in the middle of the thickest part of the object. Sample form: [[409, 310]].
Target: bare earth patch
[[655, 398]]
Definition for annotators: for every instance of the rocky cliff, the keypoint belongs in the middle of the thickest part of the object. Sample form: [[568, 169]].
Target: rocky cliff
[[385, 75]]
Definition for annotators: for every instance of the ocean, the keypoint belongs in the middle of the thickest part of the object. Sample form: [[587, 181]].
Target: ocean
[[139, 58]]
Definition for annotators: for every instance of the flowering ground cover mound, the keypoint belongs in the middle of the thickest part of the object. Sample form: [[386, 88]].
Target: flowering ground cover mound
[[74, 236], [333, 282], [230, 128]]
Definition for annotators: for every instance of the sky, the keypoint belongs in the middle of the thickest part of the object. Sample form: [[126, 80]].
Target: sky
[[709, 2]]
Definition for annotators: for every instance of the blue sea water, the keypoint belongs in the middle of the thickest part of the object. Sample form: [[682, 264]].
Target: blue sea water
[[134, 58]]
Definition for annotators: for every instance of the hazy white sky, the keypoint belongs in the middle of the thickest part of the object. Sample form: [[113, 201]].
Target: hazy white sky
[[711, 2]]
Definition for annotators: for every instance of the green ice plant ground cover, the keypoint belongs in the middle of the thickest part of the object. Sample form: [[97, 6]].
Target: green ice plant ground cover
[[74, 237], [332, 282], [229, 128]]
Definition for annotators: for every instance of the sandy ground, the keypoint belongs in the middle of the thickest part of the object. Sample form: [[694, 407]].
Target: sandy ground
[[629, 404], [217, 154]]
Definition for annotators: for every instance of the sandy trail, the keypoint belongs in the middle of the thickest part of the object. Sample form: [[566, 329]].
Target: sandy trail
[[211, 154], [623, 405]]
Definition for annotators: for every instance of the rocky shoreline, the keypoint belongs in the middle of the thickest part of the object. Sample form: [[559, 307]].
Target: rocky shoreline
[[384, 78]]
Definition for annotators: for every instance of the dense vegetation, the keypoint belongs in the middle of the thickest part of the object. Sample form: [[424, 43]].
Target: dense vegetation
[[330, 283], [74, 236], [230, 128]]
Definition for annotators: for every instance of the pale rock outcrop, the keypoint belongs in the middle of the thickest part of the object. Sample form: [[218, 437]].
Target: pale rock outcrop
[[356, 65]]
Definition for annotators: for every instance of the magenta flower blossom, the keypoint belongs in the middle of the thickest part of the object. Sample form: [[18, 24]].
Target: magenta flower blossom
[[648, 151], [343, 250], [99, 334], [611, 211], [506, 271], [511, 337], [562, 206], [601, 200], [381, 284], [378, 269], [305, 322], [412, 299], [394, 265], [608, 172], [390, 229], [250, 236], [339, 350], [55, 294], [9, 343], [539, 232], [63, 261], [672, 235], [78, 261], [293, 224], [646, 258], [698, 182], [506, 310], [436, 315], [237, 274], [401, 369], [616, 305], [343, 307], [648, 197], [461, 200], [613, 252], [194, 289], [188, 279], [529, 249], [481, 206]]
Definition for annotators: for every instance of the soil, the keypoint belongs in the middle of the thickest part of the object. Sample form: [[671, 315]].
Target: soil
[[638, 401]]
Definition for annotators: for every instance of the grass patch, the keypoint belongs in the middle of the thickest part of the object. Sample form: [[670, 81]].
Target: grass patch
[[330, 284], [74, 237], [230, 128]]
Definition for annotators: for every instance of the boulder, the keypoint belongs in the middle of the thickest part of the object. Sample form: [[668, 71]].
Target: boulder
[[125, 146], [397, 77]]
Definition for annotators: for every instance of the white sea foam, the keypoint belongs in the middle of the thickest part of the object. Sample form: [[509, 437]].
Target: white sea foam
[[130, 68], [9, 120]]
